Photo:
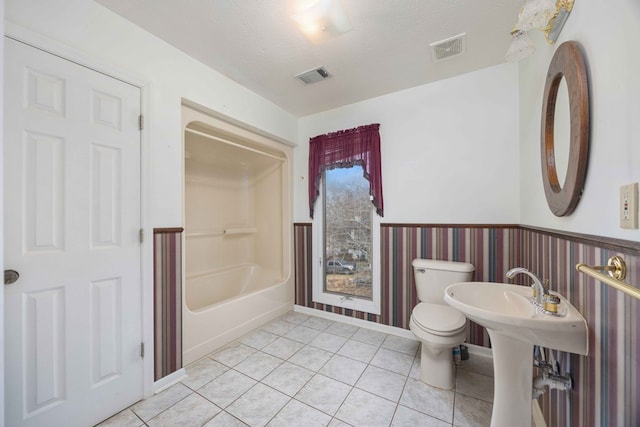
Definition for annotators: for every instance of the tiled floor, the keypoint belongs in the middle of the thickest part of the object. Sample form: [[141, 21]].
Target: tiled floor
[[301, 370]]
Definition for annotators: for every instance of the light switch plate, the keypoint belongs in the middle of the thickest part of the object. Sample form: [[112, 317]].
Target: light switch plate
[[629, 206]]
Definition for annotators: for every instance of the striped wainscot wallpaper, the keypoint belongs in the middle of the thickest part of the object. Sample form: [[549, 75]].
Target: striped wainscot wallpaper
[[606, 382], [167, 298]]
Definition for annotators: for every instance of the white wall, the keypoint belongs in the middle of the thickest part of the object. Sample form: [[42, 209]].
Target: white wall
[[608, 32], [2, 217], [449, 149], [106, 38]]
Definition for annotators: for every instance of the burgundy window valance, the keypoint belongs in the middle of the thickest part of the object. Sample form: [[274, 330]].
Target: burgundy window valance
[[346, 148]]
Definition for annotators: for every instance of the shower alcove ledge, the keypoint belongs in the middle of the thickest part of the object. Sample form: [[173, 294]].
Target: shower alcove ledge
[[237, 243]]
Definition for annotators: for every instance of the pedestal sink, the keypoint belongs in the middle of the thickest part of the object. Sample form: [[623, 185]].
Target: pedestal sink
[[515, 324]]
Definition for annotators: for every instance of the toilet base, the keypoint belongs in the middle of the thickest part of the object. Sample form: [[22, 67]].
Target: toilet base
[[436, 367]]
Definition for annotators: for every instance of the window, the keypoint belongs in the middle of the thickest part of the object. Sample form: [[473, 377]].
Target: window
[[345, 180], [346, 240]]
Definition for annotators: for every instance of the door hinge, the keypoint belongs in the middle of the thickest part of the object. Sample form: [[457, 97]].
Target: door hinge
[[141, 235], [141, 122], [142, 350]]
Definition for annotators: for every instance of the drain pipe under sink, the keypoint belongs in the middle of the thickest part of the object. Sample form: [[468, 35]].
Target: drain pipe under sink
[[551, 379], [550, 376]]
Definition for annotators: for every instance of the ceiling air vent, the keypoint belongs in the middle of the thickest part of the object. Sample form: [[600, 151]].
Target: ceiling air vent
[[314, 75], [448, 48]]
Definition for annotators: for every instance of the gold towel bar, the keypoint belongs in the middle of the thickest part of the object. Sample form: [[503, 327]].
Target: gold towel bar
[[617, 270]]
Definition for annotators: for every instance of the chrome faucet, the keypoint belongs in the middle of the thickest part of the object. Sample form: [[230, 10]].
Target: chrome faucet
[[538, 289]]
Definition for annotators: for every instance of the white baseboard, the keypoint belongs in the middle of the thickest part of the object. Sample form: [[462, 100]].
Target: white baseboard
[[171, 379], [479, 350]]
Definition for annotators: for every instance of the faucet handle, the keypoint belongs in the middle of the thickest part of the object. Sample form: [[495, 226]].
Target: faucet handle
[[537, 287], [534, 292]]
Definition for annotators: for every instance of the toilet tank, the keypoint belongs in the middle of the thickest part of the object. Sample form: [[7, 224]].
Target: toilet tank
[[432, 277]]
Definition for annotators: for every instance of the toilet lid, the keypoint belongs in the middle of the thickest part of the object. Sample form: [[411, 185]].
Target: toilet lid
[[438, 319]]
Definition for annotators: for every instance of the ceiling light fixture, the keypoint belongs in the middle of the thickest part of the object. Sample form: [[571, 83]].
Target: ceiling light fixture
[[543, 15], [320, 20]]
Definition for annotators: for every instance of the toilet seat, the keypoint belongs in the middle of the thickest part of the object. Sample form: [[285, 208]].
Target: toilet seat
[[438, 319]]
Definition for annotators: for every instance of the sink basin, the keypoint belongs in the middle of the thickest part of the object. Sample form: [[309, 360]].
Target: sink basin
[[508, 308], [515, 324]]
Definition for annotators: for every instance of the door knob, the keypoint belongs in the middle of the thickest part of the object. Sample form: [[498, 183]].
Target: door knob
[[10, 276]]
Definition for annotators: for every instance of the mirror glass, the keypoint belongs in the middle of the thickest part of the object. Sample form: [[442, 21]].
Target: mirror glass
[[562, 131]]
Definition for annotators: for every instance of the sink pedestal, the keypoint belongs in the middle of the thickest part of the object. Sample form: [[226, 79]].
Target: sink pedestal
[[513, 378]]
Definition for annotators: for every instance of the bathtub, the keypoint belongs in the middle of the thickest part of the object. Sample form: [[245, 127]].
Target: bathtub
[[204, 291], [224, 305], [237, 237]]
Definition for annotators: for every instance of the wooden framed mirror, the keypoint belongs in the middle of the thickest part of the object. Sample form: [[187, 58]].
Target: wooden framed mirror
[[568, 64]]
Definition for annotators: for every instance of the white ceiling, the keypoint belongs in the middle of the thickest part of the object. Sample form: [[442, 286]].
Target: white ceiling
[[257, 44]]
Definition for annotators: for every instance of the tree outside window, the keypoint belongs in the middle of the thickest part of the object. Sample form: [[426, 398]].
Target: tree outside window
[[347, 230]]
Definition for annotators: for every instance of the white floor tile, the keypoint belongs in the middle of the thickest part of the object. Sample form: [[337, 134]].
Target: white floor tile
[[342, 329], [194, 410], [201, 372], [294, 317], [474, 385], [343, 369], [258, 339], [258, 365], [283, 348], [393, 361], [223, 419], [288, 378], [428, 400], [402, 345], [407, 417], [278, 327], [370, 337], [361, 408], [471, 412], [226, 388], [304, 370], [311, 358], [323, 393], [317, 323], [257, 406], [328, 342], [125, 418], [302, 334], [478, 364], [232, 354], [359, 351], [382, 383], [151, 407], [337, 423], [415, 368], [298, 414]]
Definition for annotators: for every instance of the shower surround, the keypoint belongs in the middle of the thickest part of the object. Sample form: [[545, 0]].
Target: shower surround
[[237, 240]]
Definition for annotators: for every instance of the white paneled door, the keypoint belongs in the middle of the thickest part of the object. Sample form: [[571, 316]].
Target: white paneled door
[[72, 219]]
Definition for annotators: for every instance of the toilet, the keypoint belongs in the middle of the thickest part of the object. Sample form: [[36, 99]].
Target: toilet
[[438, 326]]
